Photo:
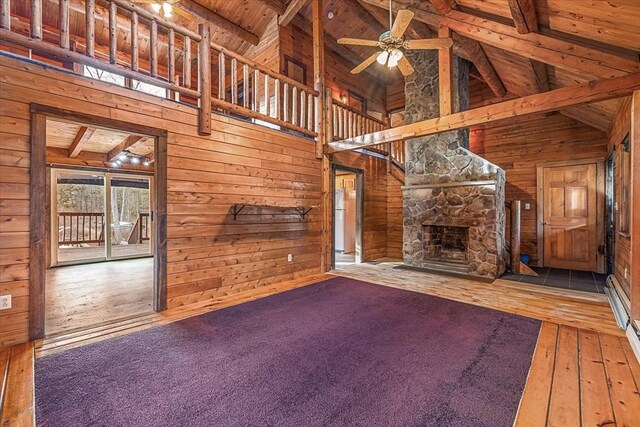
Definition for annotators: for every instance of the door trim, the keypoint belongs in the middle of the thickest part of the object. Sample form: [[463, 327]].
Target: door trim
[[38, 209], [600, 188], [359, 211]]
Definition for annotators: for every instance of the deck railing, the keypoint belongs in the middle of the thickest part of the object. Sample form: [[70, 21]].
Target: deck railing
[[77, 228], [140, 231], [249, 89]]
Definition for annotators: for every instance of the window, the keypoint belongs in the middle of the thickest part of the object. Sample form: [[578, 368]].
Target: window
[[358, 102], [148, 88], [295, 70], [105, 76], [625, 185]]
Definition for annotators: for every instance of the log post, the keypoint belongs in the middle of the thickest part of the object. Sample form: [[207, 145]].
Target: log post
[[318, 76], [204, 81], [90, 27], [515, 236], [445, 68], [634, 226], [329, 118]]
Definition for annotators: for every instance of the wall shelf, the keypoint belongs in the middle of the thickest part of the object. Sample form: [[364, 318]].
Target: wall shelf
[[237, 208]]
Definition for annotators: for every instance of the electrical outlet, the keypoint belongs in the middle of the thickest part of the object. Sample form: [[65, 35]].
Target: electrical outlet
[[290, 257], [5, 302]]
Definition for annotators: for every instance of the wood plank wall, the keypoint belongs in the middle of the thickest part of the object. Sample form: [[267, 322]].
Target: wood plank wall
[[519, 145], [620, 127], [394, 218], [209, 254], [296, 44]]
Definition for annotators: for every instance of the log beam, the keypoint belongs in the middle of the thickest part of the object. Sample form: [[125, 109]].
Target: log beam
[[80, 140], [524, 17], [539, 103], [291, 12], [126, 144], [220, 21]]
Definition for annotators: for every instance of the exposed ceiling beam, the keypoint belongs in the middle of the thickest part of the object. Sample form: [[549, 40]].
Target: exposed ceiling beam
[[524, 17], [476, 53], [291, 12], [554, 100], [82, 137], [278, 6], [127, 143], [218, 20], [541, 80], [565, 55]]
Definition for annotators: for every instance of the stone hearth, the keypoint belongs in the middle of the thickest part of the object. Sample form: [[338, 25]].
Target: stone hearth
[[448, 188]]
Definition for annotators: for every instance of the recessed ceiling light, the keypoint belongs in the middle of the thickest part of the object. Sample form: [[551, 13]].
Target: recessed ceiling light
[[330, 15]]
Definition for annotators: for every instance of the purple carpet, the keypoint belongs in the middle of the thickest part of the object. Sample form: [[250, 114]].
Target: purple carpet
[[340, 352]]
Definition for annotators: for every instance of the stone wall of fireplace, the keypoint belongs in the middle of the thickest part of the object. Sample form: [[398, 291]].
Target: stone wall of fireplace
[[448, 188]]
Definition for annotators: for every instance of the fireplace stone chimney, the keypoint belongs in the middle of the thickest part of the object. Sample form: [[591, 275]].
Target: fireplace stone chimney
[[449, 192]]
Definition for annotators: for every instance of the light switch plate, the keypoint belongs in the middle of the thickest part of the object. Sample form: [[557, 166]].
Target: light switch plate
[[527, 206]]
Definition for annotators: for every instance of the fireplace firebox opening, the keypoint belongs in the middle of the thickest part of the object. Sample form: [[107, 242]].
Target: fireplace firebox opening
[[446, 243]]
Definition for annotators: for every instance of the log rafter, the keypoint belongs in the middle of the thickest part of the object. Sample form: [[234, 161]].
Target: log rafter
[[291, 12], [126, 144]]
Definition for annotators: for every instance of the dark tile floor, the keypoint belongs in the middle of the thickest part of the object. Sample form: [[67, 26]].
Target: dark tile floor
[[567, 279]]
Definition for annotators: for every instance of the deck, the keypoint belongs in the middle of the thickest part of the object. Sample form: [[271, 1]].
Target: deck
[[71, 254]]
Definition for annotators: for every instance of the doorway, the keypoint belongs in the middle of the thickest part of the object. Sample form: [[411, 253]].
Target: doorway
[[610, 214], [347, 215], [102, 222], [570, 215]]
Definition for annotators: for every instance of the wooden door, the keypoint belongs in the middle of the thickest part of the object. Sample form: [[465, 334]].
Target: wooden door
[[570, 216]]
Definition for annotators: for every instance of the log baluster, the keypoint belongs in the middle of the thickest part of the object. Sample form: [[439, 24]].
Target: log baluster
[[222, 68], [234, 81], [134, 41], [90, 27], [294, 106], [267, 102], [245, 86], [153, 49], [255, 104], [285, 102], [113, 35], [171, 56], [276, 92], [36, 19], [64, 23], [186, 62], [5, 14]]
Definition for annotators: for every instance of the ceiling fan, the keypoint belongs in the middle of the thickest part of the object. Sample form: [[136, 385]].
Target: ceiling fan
[[392, 44]]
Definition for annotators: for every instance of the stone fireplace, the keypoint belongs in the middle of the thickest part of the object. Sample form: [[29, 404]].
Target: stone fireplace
[[453, 200], [445, 243]]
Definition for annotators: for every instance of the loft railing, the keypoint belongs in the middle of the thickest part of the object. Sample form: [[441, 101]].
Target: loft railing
[[249, 89], [349, 122], [119, 15]]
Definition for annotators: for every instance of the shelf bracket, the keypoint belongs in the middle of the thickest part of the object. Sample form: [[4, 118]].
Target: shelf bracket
[[303, 212], [236, 209]]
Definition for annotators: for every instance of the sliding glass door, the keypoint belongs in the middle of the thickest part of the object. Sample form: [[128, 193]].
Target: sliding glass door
[[99, 216]]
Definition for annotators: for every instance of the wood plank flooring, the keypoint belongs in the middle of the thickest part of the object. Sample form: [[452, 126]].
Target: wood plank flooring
[[89, 295], [583, 370]]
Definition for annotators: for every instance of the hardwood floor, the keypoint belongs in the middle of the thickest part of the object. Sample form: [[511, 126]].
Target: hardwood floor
[[583, 370], [89, 295]]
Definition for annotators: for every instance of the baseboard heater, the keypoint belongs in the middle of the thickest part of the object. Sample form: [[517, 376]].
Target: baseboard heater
[[619, 311]]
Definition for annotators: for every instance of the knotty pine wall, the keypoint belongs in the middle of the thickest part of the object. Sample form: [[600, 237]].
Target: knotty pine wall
[[209, 254], [620, 127], [519, 145]]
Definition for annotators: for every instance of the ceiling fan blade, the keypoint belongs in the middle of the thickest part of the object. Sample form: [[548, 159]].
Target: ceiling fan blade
[[370, 60], [441, 43], [405, 67], [358, 42], [403, 19]]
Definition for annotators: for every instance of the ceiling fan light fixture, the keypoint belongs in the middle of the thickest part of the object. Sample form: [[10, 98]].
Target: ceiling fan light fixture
[[382, 57], [395, 56], [155, 6], [167, 9]]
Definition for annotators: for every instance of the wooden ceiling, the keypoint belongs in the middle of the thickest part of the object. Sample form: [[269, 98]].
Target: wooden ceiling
[[77, 138]]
